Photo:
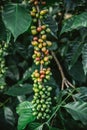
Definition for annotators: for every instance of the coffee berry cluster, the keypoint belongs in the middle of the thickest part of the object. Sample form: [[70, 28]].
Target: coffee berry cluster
[[42, 75], [3, 48], [42, 100]]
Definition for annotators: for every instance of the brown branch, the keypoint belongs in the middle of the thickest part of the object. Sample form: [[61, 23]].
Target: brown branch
[[64, 79], [38, 10]]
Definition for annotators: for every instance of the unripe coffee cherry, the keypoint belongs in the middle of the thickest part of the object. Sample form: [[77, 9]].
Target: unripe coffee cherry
[[49, 88], [49, 43], [34, 20], [44, 37], [43, 27], [36, 3], [48, 30], [44, 106], [33, 14], [42, 32], [34, 113], [34, 32], [43, 12]]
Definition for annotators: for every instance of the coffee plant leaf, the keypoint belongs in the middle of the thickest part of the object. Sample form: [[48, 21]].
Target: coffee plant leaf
[[52, 25], [76, 54], [82, 95], [78, 110], [76, 22], [19, 90], [24, 111], [33, 125], [16, 19], [84, 58], [9, 116]]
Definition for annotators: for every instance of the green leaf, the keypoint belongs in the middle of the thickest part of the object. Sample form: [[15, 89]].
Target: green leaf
[[9, 116], [84, 58], [13, 72], [75, 22], [76, 54], [52, 25], [77, 72], [33, 125], [16, 19], [29, 71], [78, 111], [23, 107], [2, 81], [25, 114], [22, 89], [39, 128], [71, 51], [82, 95]]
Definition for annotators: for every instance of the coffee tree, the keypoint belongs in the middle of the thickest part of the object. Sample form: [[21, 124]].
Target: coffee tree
[[43, 64]]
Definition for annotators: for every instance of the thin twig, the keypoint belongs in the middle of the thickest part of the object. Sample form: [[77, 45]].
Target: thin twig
[[2, 104], [64, 79]]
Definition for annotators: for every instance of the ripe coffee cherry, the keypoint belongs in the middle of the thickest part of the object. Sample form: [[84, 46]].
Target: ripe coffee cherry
[[36, 3], [35, 38], [43, 2], [39, 29]]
